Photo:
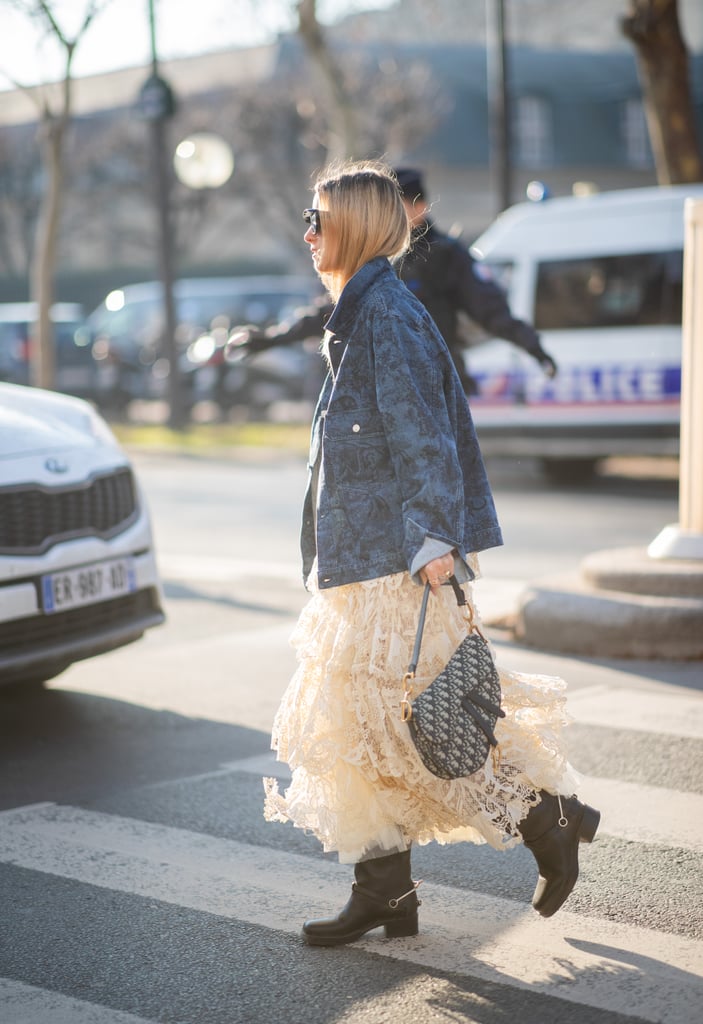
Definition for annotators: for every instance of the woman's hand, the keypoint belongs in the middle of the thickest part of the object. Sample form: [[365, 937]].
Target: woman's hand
[[438, 571]]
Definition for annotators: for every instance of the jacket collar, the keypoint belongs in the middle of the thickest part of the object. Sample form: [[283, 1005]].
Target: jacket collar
[[345, 311]]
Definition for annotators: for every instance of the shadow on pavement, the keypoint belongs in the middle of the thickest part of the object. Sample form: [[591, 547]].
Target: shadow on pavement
[[74, 747]]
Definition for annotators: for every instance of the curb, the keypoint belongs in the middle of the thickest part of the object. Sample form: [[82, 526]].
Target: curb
[[622, 604]]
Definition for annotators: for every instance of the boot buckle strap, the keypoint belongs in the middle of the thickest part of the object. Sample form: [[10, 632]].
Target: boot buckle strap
[[563, 820], [393, 903]]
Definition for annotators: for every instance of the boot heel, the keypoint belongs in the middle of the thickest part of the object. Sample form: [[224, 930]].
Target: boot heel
[[589, 824], [402, 928]]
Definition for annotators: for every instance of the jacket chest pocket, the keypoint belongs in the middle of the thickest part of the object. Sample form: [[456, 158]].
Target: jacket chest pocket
[[355, 446]]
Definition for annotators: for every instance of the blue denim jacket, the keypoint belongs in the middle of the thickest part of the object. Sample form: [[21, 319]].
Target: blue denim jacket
[[395, 467]]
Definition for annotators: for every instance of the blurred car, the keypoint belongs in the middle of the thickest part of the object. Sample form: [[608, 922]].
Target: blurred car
[[78, 574], [292, 372], [128, 346], [75, 367]]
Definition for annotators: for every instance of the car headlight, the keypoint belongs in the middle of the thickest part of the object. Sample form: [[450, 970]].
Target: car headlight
[[202, 349]]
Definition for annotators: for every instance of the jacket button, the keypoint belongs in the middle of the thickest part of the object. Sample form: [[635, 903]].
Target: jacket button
[[356, 428]]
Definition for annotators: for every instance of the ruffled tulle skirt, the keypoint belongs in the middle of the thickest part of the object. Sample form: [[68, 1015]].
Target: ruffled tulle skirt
[[357, 781]]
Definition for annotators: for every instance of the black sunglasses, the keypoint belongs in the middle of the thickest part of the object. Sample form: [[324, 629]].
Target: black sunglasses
[[312, 217]]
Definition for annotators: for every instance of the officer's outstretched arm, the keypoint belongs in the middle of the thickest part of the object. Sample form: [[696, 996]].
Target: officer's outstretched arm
[[486, 303], [248, 340]]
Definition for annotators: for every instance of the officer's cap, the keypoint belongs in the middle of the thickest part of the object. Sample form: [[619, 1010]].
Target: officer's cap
[[411, 184]]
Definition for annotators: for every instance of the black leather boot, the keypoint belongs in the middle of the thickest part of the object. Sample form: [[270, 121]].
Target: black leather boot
[[382, 895], [552, 832]]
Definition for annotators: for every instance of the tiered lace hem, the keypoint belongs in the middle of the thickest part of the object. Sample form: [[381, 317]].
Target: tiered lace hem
[[357, 781]]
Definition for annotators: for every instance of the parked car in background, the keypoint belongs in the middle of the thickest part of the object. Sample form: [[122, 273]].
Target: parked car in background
[[601, 279], [74, 368], [78, 573], [127, 334]]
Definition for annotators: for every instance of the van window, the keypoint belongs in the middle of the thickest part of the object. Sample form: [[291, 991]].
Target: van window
[[609, 291]]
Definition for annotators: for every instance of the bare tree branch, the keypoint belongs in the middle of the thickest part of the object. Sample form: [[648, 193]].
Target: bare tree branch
[[344, 130], [54, 121]]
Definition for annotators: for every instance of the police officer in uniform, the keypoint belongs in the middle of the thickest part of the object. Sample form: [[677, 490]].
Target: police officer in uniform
[[441, 272]]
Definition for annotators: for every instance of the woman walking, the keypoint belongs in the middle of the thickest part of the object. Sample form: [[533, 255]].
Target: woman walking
[[398, 496]]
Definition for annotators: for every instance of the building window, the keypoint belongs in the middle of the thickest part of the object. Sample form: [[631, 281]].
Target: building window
[[533, 132], [635, 135]]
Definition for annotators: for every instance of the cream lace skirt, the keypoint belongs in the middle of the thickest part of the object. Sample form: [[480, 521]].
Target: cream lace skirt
[[357, 781]]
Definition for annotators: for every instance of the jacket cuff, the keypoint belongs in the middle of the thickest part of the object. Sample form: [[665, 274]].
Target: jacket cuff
[[432, 548]]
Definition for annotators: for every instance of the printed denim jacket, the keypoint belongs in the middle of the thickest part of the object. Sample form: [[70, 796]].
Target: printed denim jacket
[[395, 466]]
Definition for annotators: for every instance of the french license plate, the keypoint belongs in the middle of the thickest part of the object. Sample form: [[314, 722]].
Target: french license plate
[[88, 584]]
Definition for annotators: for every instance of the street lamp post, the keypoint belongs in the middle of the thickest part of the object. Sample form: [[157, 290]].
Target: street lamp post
[[498, 101], [157, 105]]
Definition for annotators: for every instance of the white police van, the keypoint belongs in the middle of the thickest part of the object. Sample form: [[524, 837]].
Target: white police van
[[600, 277]]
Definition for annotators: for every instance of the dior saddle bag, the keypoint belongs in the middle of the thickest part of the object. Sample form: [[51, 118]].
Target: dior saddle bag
[[452, 721]]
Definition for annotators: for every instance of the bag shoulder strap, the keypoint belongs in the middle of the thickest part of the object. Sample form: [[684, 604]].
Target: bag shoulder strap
[[406, 710], [461, 602]]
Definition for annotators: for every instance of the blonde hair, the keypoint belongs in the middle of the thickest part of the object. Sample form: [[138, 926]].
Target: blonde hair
[[364, 217]]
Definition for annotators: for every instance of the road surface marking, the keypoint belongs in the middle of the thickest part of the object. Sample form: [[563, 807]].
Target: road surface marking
[[210, 569], [635, 971], [665, 713], [24, 1004], [646, 814], [629, 811]]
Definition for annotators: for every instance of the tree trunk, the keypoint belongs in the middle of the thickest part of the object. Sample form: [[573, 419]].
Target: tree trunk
[[343, 134], [43, 365], [653, 26]]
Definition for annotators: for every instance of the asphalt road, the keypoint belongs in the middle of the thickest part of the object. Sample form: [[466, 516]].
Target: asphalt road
[[139, 881]]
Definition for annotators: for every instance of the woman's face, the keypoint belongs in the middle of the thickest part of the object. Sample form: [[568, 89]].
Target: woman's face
[[319, 241]]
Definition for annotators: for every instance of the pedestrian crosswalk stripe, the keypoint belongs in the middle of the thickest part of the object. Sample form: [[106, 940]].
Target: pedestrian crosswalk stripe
[[666, 714], [646, 814], [630, 811], [591, 961], [25, 1004], [206, 568]]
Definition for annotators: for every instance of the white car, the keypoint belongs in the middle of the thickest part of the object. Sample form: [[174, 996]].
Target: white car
[[78, 573]]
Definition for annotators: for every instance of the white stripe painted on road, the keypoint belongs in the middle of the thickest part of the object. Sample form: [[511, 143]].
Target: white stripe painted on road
[[646, 814], [260, 764], [665, 713], [636, 813], [24, 1004], [210, 569], [630, 970]]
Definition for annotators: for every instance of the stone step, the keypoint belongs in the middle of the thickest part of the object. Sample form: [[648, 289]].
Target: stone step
[[567, 614], [632, 571]]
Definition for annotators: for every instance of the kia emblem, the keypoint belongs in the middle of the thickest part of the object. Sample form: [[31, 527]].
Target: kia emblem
[[56, 465]]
